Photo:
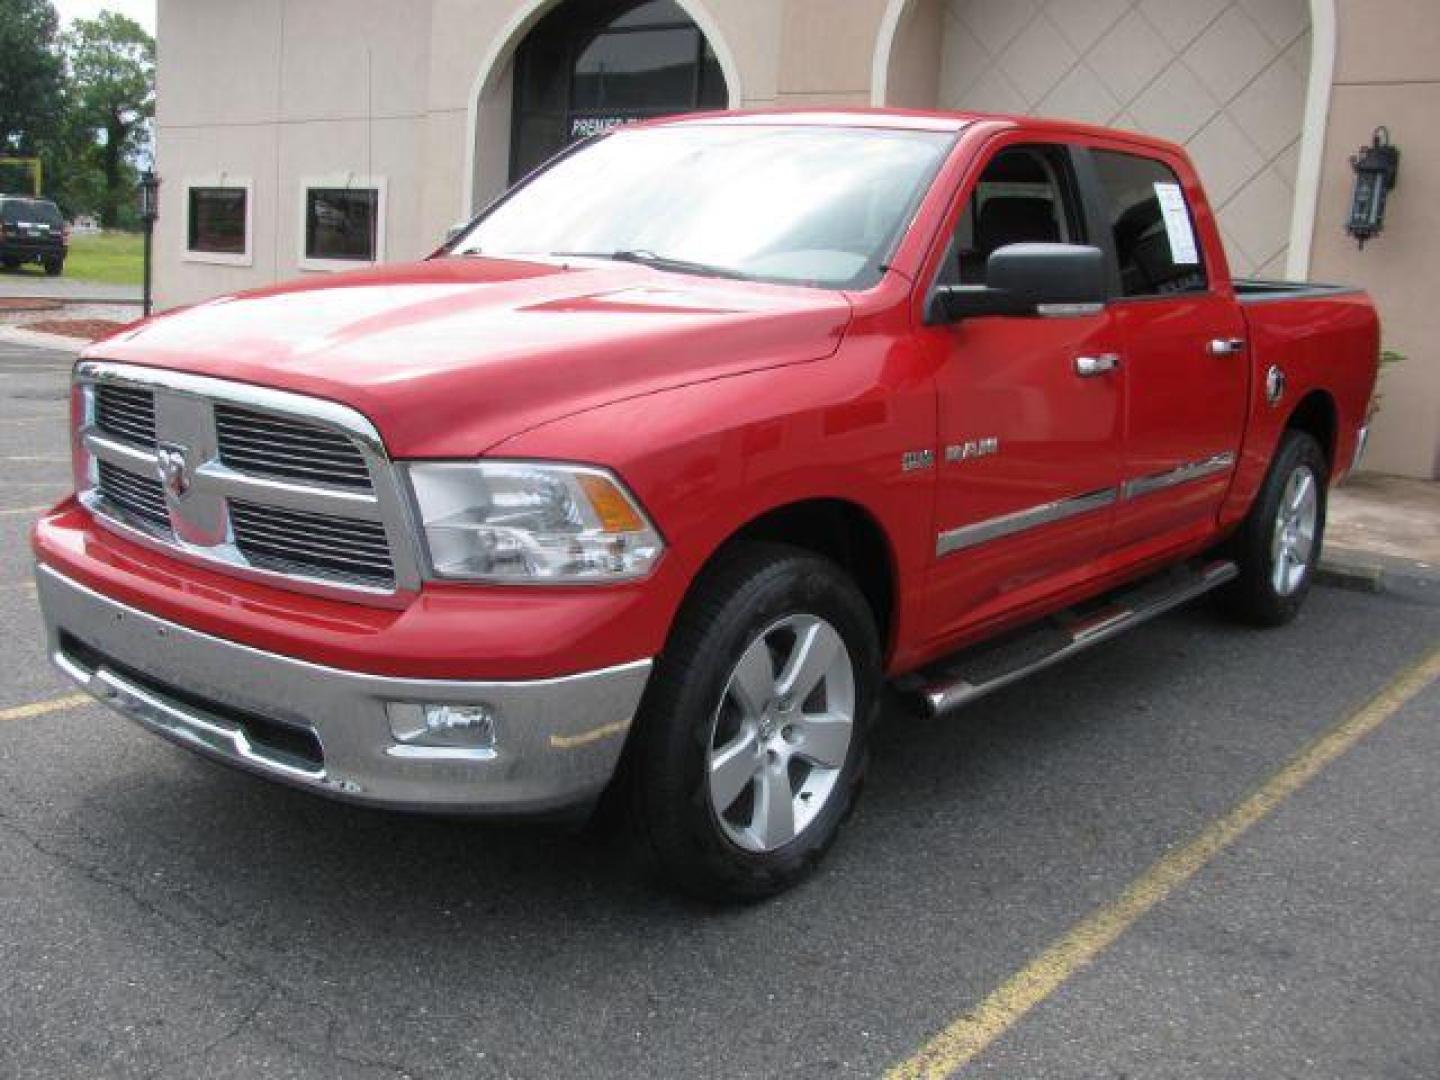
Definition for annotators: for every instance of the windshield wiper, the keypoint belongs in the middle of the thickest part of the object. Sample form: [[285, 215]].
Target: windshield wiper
[[645, 257]]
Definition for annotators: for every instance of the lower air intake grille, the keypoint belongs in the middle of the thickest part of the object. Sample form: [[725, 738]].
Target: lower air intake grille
[[138, 497], [317, 545]]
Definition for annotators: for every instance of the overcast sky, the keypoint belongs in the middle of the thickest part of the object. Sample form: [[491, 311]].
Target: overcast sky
[[142, 11]]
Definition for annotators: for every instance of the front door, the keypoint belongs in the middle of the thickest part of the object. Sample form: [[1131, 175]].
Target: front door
[[1027, 467], [1185, 353]]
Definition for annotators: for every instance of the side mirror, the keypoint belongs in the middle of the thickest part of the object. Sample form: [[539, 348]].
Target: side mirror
[[1028, 279]]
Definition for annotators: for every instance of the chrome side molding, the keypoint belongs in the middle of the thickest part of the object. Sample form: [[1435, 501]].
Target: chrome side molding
[[1183, 474], [982, 532]]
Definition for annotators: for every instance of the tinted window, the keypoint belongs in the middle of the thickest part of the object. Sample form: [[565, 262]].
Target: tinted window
[[32, 211], [1154, 231], [217, 220], [1026, 195], [341, 223]]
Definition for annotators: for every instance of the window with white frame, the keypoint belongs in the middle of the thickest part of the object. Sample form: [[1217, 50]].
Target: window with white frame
[[218, 220], [342, 222]]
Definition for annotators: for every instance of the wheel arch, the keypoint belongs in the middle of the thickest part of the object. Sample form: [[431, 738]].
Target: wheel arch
[[841, 530], [1317, 416]]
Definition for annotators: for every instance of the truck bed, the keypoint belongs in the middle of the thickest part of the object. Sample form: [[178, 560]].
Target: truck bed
[[1260, 290]]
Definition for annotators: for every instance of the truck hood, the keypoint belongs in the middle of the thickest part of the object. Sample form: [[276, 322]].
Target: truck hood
[[450, 356]]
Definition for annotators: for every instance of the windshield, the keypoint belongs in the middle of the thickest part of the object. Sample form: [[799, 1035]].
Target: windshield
[[804, 205]]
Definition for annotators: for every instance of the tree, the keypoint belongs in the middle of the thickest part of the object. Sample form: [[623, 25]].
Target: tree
[[112, 80], [31, 75]]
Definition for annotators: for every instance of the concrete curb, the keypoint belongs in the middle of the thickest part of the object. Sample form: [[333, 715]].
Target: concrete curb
[[1366, 571], [118, 301], [17, 336], [1346, 573]]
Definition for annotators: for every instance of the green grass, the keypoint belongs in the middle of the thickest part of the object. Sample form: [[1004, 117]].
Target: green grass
[[115, 258]]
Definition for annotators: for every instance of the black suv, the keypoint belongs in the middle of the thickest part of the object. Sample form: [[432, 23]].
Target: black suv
[[32, 230]]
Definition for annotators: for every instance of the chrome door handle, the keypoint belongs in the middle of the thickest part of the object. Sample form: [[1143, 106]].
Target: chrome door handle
[[1089, 366], [1226, 346]]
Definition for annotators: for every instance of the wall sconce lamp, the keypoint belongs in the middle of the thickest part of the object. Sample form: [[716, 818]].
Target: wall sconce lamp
[[1376, 167]]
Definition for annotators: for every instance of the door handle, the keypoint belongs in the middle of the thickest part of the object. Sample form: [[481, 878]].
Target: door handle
[[1089, 366], [1226, 346]]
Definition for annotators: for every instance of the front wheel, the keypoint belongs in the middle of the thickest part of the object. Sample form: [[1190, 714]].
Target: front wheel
[[1278, 546], [54, 267], [752, 739]]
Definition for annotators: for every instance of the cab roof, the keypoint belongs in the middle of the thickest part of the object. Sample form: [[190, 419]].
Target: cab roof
[[901, 119]]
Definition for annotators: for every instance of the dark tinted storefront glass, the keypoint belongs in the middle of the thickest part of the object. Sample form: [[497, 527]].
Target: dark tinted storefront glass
[[592, 65], [635, 70], [341, 223], [217, 220]]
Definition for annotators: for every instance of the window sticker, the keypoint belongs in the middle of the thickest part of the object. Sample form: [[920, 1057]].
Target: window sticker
[[1183, 251]]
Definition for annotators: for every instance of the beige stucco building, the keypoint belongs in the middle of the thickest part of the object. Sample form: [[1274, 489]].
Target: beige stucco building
[[300, 136]]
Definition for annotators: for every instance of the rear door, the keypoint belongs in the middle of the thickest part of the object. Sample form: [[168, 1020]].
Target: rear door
[[1028, 458], [1183, 349]]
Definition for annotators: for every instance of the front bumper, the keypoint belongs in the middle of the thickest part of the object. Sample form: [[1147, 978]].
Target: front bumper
[[557, 740]]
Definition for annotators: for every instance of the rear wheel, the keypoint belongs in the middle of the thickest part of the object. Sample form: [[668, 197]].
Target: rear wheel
[[10, 263], [1278, 546], [53, 267], [751, 745]]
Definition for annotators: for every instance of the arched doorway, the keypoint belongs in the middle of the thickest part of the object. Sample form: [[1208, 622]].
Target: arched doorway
[[590, 65], [562, 31], [1246, 87]]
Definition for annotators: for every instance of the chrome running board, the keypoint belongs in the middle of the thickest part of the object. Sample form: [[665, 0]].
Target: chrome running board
[[985, 668]]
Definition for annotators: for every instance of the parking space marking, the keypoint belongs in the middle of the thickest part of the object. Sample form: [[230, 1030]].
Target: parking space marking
[[55, 459], [42, 708], [13, 511], [968, 1036]]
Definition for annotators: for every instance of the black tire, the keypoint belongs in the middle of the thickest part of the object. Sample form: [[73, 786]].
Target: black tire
[[54, 267], [1254, 597], [736, 604], [10, 264]]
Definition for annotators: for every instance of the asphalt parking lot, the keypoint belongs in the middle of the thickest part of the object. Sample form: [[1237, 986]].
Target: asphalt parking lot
[[1041, 863]]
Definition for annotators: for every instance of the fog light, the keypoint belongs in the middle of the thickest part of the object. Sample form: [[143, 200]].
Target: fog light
[[470, 726]]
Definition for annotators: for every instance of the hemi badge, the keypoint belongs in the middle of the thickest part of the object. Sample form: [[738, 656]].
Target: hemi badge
[[912, 460]]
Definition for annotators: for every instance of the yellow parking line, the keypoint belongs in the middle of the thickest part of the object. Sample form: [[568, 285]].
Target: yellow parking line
[[41, 708], [970, 1034]]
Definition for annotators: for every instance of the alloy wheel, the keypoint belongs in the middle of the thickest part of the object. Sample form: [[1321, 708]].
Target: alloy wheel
[[782, 733], [1292, 544]]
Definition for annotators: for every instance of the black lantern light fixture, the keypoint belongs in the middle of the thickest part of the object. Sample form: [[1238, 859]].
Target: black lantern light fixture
[[148, 193], [1376, 167]]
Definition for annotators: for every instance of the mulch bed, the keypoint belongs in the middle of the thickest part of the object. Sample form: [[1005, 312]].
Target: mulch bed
[[20, 303], [86, 329]]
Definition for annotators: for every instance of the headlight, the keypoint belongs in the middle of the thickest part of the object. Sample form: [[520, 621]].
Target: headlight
[[515, 521]]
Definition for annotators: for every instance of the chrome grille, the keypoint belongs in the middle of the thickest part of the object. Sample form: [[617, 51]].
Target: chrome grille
[[289, 449], [138, 496], [256, 482], [126, 412], [291, 541]]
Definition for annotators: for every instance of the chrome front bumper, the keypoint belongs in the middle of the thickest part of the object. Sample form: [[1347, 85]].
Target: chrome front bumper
[[557, 740]]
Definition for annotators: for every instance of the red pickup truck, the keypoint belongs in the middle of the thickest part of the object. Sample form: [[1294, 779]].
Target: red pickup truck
[[651, 479]]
